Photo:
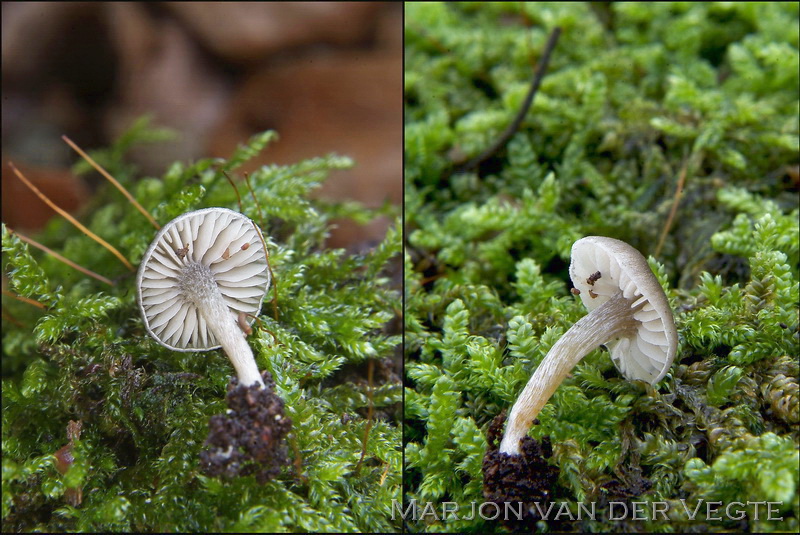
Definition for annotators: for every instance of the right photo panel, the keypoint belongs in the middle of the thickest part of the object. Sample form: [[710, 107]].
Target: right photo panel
[[601, 267]]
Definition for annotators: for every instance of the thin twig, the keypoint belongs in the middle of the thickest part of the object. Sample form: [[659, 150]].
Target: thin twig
[[672, 211], [11, 319], [262, 327], [263, 242], [33, 302], [269, 267], [384, 474], [71, 219], [60, 258], [298, 458], [370, 409], [235, 190], [526, 104], [111, 179], [430, 279], [253, 195]]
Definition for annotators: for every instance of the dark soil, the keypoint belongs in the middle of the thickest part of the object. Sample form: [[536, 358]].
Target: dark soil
[[526, 478], [249, 438]]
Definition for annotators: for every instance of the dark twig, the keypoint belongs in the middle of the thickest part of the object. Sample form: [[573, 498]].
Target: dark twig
[[515, 124]]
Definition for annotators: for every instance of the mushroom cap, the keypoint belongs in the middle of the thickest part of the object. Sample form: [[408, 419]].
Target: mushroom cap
[[648, 352], [212, 234]]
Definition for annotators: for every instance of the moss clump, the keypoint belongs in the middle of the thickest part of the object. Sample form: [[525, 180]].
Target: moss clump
[[633, 100], [145, 410]]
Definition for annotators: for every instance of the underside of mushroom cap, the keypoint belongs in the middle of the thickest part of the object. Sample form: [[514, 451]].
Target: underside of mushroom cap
[[603, 267], [221, 243]]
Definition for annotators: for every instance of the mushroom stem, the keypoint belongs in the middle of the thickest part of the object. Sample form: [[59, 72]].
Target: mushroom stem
[[200, 288], [608, 321]]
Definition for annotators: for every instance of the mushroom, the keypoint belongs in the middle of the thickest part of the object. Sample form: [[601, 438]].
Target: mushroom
[[628, 311], [192, 295]]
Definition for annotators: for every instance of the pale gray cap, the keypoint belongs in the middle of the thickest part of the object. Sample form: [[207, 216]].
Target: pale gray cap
[[191, 257], [649, 353]]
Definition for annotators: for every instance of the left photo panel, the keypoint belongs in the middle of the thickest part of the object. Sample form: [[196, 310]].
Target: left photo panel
[[202, 273]]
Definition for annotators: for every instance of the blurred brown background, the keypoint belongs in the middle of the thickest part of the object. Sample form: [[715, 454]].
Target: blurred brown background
[[326, 76]]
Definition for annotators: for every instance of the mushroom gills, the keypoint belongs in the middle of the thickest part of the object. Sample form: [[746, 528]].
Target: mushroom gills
[[202, 272]]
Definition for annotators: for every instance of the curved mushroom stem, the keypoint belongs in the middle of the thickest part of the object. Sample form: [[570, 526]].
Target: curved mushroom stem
[[608, 321], [199, 286], [232, 339]]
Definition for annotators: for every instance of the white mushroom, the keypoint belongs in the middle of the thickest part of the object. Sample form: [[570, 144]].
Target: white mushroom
[[628, 312], [204, 275]]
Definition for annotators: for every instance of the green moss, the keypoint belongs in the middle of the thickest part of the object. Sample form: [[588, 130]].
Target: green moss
[[145, 409], [633, 99]]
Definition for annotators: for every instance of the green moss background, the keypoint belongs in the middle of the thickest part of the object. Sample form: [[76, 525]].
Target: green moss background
[[145, 409], [636, 95]]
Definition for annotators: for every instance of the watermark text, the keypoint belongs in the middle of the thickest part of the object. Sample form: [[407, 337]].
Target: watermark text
[[702, 510]]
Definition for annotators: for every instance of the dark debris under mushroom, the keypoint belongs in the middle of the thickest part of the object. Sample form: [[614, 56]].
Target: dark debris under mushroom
[[249, 438], [525, 478]]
